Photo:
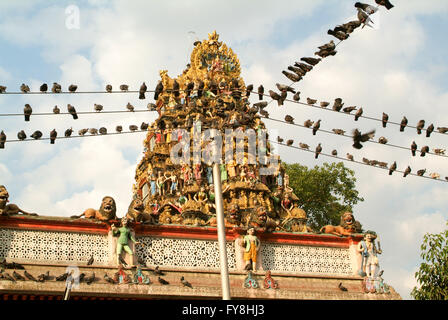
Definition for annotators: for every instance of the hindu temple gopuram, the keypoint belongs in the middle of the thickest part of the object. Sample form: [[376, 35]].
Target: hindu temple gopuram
[[165, 245]]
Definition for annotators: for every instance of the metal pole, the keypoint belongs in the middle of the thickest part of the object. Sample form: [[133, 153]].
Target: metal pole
[[221, 233]]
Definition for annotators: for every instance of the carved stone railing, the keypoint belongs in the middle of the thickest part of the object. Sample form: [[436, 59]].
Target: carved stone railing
[[64, 241]]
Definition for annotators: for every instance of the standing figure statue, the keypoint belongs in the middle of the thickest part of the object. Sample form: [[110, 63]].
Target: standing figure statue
[[252, 246], [124, 235], [369, 254]]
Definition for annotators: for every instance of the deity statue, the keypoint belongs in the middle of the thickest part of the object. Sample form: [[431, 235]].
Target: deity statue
[[286, 204], [201, 199], [174, 182], [124, 235], [161, 184], [209, 173], [242, 202], [369, 253], [223, 169], [198, 173], [231, 169], [251, 243]]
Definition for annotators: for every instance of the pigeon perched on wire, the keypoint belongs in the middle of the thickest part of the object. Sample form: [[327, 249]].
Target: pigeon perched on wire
[[324, 104], [2, 140], [93, 131], [71, 109], [385, 119], [130, 107], [290, 142], [261, 105], [133, 127], [97, 107], [358, 137], [124, 87], [364, 18], [358, 114], [334, 152], [308, 123], [29, 276], [303, 66], [56, 88], [424, 150], [392, 168], [382, 140], [260, 92], [299, 71], [348, 109], [420, 126], [296, 97], [289, 119], [102, 130], [318, 151], [119, 129], [24, 88], [68, 132], [53, 135], [275, 96], [72, 88], [429, 130], [341, 287], [249, 89], [316, 127], [413, 148], [109, 279], [310, 60], [162, 281], [283, 87], [2, 89], [348, 27], [185, 282], [292, 76], [421, 172], [43, 87], [366, 7], [82, 132], [142, 91], [36, 135], [407, 171], [442, 129], [439, 151], [304, 146], [27, 111], [403, 124], [109, 88], [21, 135], [338, 104], [339, 131], [310, 101], [385, 3], [434, 175], [56, 110], [158, 90], [340, 35], [350, 157]]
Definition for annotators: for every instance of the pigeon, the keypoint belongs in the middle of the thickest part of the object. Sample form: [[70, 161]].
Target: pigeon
[[338, 104], [163, 281], [260, 92], [385, 119], [324, 104], [334, 152], [290, 142], [53, 135], [429, 130], [56, 110], [403, 124], [382, 140], [29, 276], [328, 46], [43, 88], [68, 132], [339, 131], [439, 151], [21, 135], [71, 109], [72, 88], [413, 148], [90, 279], [304, 146], [392, 168], [366, 161], [109, 88], [81, 277], [296, 97], [276, 96], [18, 276], [142, 91], [97, 107], [358, 114], [200, 88], [316, 127], [264, 113], [385, 3], [44, 276], [318, 151], [158, 90], [283, 87], [311, 61], [420, 126], [299, 71], [350, 157], [130, 107], [118, 129], [289, 119], [434, 175], [133, 127], [383, 164], [249, 89], [158, 272], [407, 171], [311, 101], [340, 35], [424, 150], [442, 129], [82, 132], [366, 7], [36, 135], [27, 111], [308, 123], [2, 140], [341, 287], [102, 130], [151, 107], [348, 109], [24, 88], [364, 18], [176, 88], [56, 88], [292, 76], [185, 282], [358, 137], [2, 89], [303, 66], [283, 96], [109, 279], [144, 126], [421, 172], [124, 87], [93, 131], [261, 105]]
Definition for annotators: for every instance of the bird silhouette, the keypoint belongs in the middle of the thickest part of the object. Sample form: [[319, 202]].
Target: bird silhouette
[[403, 124], [53, 135], [36, 135], [56, 110], [82, 132], [276, 96], [392, 168], [2, 89], [292, 76], [56, 88], [163, 281], [350, 157], [421, 172], [102, 130], [358, 114], [341, 287], [358, 137], [185, 282], [249, 89], [90, 261], [310, 101], [283, 87], [93, 131], [338, 131], [366, 7], [71, 109], [429, 130], [439, 151], [90, 279], [29, 276], [109, 279], [316, 127], [24, 88], [124, 87], [157, 271], [130, 107], [18, 276], [260, 92], [7, 276], [420, 126], [43, 87], [109, 88], [310, 60], [364, 18], [382, 140], [442, 129], [308, 123], [413, 148], [158, 90], [334, 152], [424, 150], [97, 107], [338, 104], [133, 127], [289, 119], [304, 146], [299, 71], [72, 88], [296, 97], [324, 104], [318, 151], [348, 109], [434, 175], [62, 277], [407, 171], [142, 91], [21, 135], [340, 35], [118, 129], [289, 142], [144, 126], [27, 111], [303, 66], [385, 3], [385, 119]]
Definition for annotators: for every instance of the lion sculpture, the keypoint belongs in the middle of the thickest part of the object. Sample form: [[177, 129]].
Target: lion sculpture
[[106, 212], [136, 212], [9, 209], [347, 226]]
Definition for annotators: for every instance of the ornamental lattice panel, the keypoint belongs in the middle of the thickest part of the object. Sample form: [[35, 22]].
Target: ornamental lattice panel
[[188, 253], [305, 259], [53, 247]]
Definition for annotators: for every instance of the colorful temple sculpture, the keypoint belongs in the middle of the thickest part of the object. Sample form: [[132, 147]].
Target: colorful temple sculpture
[[165, 246]]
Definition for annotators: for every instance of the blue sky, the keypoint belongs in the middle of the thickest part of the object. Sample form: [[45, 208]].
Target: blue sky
[[399, 67]]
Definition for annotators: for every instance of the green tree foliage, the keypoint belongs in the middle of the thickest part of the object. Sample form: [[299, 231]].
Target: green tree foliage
[[432, 277], [325, 193]]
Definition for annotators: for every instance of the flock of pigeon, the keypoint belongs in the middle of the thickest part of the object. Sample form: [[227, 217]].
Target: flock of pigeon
[[82, 277]]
